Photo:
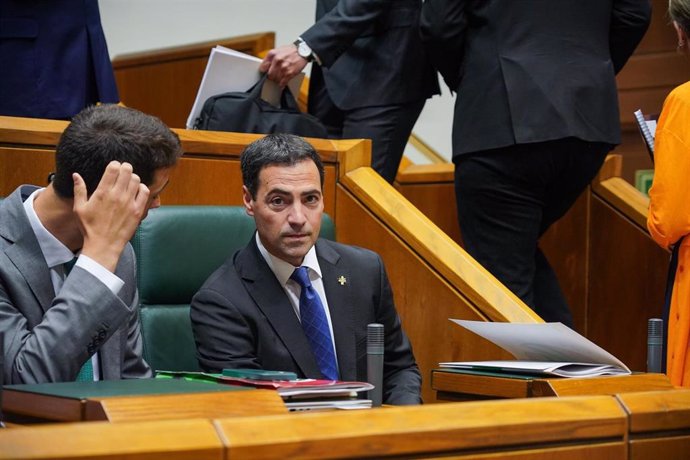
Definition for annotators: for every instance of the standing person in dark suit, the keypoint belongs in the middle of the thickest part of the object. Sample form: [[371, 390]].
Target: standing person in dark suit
[[251, 312], [371, 77], [536, 114], [54, 58], [68, 290]]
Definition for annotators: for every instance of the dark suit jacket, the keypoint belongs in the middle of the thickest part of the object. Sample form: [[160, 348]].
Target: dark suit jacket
[[370, 52], [47, 338], [536, 70], [54, 58], [242, 318]]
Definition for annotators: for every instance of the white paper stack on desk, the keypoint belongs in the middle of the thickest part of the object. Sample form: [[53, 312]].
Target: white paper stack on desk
[[549, 349]]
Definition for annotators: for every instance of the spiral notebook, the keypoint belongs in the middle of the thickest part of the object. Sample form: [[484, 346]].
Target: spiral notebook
[[647, 128]]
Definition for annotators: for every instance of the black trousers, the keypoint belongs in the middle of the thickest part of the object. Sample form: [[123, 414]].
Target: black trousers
[[508, 197], [388, 126]]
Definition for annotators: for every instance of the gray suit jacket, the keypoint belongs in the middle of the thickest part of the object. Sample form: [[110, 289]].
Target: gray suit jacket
[[242, 318], [48, 337]]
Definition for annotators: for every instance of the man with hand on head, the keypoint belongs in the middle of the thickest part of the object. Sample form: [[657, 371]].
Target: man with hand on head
[[64, 320], [293, 302]]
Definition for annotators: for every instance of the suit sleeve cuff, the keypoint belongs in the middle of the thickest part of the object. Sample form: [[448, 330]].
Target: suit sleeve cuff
[[112, 282]]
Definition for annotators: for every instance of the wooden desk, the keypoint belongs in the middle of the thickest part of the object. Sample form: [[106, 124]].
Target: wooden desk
[[659, 424], [456, 386], [135, 400]]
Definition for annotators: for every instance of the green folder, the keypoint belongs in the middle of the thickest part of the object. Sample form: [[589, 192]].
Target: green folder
[[104, 388]]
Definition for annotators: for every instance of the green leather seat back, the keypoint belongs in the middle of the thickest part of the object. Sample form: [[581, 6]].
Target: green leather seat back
[[177, 249]]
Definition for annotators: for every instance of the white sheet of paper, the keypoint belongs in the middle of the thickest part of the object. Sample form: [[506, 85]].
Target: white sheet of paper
[[229, 70], [542, 342]]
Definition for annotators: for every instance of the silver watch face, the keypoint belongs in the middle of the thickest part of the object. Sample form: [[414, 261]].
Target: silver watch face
[[303, 50]]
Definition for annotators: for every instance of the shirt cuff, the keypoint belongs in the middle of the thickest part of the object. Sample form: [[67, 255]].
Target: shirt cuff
[[112, 282]]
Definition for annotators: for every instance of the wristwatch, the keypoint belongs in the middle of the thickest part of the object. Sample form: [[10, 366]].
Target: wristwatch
[[304, 50]]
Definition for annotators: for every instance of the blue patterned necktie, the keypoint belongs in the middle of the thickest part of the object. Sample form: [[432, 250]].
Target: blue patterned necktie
[[315, 324], [86, 372]]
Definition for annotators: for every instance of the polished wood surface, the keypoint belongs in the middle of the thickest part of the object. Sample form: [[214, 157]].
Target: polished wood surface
[[657, 411], [31, 407], [594, 426], [461, 386], [605, 385], [185, 406], [178, 439], [638, 425], [165, 82], [625, 198], [659, 424], [453, 386]]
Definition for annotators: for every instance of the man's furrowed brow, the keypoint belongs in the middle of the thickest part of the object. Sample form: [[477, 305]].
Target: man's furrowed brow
[[314, 191]]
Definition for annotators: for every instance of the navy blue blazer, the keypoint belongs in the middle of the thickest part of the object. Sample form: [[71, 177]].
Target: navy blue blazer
[[54, 57]]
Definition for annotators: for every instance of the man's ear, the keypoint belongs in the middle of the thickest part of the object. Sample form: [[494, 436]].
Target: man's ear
[[682, 36], [247, 200]]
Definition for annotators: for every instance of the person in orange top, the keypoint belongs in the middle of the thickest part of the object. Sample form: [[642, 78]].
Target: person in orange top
[[669, 209]]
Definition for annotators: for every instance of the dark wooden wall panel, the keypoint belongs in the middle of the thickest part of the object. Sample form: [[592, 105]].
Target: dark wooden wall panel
[[627, 278]]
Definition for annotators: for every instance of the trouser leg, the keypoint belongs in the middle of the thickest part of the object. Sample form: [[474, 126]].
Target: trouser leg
[[388, 127], [508, 197]]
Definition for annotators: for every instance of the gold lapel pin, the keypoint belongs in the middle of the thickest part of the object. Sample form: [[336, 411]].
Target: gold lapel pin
[[342, 280]]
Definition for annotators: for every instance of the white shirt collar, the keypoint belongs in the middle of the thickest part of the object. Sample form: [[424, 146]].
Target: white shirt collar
[[283, 270], [54, 252]]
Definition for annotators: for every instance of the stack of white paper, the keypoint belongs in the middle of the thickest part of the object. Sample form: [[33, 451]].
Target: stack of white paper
[[229, 70], [542, 348]]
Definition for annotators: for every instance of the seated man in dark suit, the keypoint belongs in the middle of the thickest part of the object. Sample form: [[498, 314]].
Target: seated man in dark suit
[[290, 301], [62, 320]]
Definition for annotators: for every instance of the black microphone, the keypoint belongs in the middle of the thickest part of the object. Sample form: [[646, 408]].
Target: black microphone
[[655, 333], [375, 362]]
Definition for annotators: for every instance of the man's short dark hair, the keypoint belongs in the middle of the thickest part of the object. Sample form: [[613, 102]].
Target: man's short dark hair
[[275, 149], [100, 134]]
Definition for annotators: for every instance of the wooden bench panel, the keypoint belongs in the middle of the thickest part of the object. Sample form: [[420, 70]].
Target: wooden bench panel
[[659, 424], [509, 429], [172, 440]]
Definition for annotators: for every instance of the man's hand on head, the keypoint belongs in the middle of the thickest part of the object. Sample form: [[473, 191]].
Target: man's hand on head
[[282, 64], [110, 216]]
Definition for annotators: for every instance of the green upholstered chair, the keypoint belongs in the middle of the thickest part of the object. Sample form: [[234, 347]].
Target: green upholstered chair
[[177, 248]]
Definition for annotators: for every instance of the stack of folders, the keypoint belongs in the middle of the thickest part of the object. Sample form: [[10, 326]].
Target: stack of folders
[[298, 394]]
